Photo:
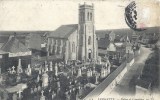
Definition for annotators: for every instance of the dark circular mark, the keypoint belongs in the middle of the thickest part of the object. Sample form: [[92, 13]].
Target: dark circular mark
[[131, 16]]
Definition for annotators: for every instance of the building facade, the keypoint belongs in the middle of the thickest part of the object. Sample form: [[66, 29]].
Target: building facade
[[75, 41], [11, 52]]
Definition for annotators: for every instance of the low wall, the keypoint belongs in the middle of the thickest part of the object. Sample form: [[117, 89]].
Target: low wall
[[110, 82]]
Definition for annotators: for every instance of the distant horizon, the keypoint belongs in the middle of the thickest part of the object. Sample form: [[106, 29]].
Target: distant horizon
[[54, 30]]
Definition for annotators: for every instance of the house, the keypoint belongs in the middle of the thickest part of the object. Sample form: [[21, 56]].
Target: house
[[115, 46], [11, 51]]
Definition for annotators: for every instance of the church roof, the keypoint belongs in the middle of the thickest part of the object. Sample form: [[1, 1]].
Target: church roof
[[64, 31], [13, 45]]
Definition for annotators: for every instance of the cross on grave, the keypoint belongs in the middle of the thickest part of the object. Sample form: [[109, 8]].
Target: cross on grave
[[13, 70], [19, 94], [42, 96], [42, 93], [9, 70]]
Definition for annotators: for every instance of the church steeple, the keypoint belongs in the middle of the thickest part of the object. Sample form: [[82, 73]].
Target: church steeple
[[86, 13], [87, 36]]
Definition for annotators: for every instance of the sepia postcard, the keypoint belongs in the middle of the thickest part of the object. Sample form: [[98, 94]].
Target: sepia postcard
[[79, 49]]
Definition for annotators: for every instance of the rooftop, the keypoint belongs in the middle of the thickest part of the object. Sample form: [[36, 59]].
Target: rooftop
[[13, 45], [64, 31]]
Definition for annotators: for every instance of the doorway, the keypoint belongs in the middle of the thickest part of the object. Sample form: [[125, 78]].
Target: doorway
[[89, 54]]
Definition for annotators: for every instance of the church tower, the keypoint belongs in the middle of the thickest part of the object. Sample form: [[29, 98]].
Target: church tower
[[87, 36]]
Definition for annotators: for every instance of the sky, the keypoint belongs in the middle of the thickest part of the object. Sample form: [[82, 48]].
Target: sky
[[50, 14]]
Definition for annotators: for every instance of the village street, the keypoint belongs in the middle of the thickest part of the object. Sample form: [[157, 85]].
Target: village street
[[127, 84]]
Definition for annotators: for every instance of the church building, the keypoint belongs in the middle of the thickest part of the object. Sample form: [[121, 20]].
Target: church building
[[75, 41]]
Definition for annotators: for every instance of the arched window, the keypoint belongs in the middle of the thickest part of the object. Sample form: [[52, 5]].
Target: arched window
[[82, 16], [89, 40], [88, 16], [91, 16], [73, 47]]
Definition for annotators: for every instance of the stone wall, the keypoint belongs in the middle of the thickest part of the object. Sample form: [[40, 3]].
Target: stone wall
[[104, 88]]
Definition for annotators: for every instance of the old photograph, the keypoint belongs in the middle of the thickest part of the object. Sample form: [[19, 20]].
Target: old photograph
[[80, 50]]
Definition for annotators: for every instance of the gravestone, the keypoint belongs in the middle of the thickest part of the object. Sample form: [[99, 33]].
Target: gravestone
[[91, 73], [35, 89], [19, 67], [38, 78], [53, 95], [50, 66], [29, 70], [97, 75], [13, 70], [9, 70], [14, 97], [88, 73], [79, 72], [45, 79], [32, 91], [18, 78], [39, 88], [42, 96], [56, 69]]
